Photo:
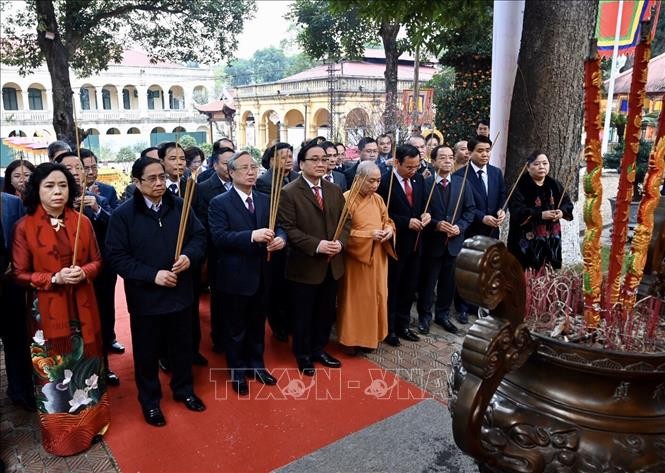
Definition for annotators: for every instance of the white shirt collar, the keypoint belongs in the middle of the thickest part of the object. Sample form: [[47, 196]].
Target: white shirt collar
[[242, 195], [224, 183], [149, 203], [439, 178], [399, 178], [476, 168], [311, 185], [169, 182]]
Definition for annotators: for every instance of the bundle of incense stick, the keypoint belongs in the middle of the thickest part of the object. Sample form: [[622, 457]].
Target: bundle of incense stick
[[429, 200], [78, 221], [278, 173], [184, 216], [357, 185]]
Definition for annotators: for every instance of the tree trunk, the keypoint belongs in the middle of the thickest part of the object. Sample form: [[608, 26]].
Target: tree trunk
[[57, 60], [388, 32], [547, 105]]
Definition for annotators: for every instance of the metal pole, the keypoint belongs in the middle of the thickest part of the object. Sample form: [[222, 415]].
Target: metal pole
[[613, 75]]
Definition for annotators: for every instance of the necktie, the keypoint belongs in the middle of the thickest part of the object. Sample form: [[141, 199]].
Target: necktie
[[446, 193], [227, 185], [328, 178], [250, 205], [408, 190], [480, 176], [155, 207], [174, 189], [319, 197]]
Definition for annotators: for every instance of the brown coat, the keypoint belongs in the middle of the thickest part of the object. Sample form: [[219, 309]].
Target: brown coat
[[306, 225]]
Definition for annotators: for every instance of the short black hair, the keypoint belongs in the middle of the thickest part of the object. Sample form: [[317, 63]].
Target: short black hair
[[218, 145], [341, 144], [364, 141], [475, 141], [406, 151], [61, 157], [384, 135], [145, 152], [303, 151], [329, 144], [143, 162], [483, 121], [31, 198], [272, 151], [435, 151], [191, 153], [86, 153], [8, 187], [218, 152], [167, 145], [534, 155]]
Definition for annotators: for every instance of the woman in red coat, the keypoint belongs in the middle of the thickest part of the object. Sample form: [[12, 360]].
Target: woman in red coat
[[63, 321]]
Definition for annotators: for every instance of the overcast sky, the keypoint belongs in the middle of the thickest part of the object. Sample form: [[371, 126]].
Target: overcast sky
[[267, 28]]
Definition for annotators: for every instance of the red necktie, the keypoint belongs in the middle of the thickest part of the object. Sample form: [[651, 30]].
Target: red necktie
[[408, 190], [319, 197]]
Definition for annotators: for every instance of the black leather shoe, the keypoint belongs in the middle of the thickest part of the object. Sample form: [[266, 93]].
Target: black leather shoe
[[164, 365], [111, 378], [263, 377], [240, 387], [326, 360], [306, 367], [447, 325], [281, 336], [408, 334], [117, 348], [392, 340], [192, 403], [200, 360], [154, 416], [423, 328], [463, 318]]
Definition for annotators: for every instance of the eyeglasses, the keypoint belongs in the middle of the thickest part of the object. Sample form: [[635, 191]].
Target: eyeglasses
[[246, 168], [152, 180], [317, 160]]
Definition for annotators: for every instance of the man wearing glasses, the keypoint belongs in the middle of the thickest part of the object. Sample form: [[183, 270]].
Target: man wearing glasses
[[331, 175], [240, 231], [309, 211], [140, 247]]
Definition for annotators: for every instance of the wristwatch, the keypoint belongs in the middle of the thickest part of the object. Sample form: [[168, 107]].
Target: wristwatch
[[54, 279]]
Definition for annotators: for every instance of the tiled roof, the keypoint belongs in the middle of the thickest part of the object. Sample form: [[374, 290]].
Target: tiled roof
[[655, 79], [360, 69]]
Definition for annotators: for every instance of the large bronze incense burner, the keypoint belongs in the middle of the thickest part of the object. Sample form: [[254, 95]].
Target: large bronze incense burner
[[522, 402]]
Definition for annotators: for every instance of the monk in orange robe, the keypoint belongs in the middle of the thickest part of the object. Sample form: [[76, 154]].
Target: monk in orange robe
[[362, 317]]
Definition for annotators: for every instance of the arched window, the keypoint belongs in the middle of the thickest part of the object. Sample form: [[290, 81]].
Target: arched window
[[9, 100], [106, 99], [85, 99], [35, 99]]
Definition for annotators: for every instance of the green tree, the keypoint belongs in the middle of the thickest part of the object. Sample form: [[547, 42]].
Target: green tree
[[239, 72], [86, 35], [265, 65], [126, 154]]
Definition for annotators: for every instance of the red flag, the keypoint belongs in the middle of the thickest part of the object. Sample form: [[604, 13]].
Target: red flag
[[632, 14]]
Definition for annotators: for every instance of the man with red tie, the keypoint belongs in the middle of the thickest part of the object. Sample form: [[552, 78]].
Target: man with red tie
[[405, 199], [310, 208]]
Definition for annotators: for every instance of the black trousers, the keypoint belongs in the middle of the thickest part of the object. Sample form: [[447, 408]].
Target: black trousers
[[278, 295], [244, 327], [216, 310], [196, 317], [147, 334], [314, 311], [437, 272], [403, 275], [105, 293], [15, 342]]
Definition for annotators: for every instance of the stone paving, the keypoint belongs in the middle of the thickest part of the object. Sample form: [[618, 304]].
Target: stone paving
[[425, 364]]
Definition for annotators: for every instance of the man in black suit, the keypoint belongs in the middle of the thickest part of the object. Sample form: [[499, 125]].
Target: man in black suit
[[418, 142], [239, 229], [385, 144], [279, 313], [331, 175], [442, 240], [140, 247], [90, 166], [216, 146], [405, 200], [309, 211], [208, 190], [489, 194], [369, 151], [173, 158]]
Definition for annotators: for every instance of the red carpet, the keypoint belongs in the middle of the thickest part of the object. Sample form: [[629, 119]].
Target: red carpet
[[270, 428]]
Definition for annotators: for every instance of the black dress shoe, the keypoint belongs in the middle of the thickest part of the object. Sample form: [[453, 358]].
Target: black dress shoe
[[164, 365], [154, 416], [263, 377], [447, 325], [281, 336], [306, 367], [111, 378], [392, 340], [192, 403], [200, 360], [241, 387], [463, 318], [423, 328], [408, 334], [117, 348], [326, 360]]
